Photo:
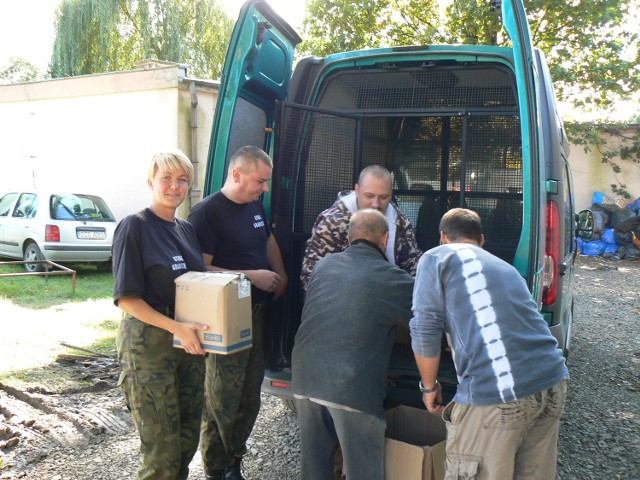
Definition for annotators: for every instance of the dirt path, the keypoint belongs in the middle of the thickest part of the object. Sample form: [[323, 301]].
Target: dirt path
[[30, 338]]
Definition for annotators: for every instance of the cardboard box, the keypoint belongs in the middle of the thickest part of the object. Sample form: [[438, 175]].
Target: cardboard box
[[415, 445], [220, 300]]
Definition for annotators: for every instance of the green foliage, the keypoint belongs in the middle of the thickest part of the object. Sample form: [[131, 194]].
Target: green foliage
[[19, 70], [341, 25], [91, 284], [472, 22], [95, 36], [592, 50]]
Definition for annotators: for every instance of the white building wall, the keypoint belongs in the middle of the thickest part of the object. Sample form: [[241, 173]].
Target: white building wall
[[96, 134], [591, 175]]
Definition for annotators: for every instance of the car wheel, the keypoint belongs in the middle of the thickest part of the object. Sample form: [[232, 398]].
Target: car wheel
[[31, 253], [104, 267]]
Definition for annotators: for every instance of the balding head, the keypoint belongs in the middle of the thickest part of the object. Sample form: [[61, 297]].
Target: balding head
[[369, 224]]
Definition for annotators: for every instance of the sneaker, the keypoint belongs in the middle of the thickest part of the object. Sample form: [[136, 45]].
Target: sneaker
[[233, 472]]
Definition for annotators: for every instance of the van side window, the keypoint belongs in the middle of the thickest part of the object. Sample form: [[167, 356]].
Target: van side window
[[247, 128]]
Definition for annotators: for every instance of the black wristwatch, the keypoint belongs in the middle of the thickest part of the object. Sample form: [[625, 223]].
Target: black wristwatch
[[423, 389]]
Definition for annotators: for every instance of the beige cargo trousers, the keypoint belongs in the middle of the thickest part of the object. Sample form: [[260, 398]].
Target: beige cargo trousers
[[515, 440]]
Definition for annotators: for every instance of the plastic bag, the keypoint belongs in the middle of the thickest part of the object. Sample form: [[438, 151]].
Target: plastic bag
[[620, 216], [597, 198], [629, 252], [600, 218], [593, 249], [608, 236], [623, 238], [611, 248]]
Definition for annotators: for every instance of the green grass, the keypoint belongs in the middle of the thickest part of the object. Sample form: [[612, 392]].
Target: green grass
[[39, 292], [36, 292]]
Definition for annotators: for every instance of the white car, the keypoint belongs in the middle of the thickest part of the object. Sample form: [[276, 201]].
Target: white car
[[59, 227]]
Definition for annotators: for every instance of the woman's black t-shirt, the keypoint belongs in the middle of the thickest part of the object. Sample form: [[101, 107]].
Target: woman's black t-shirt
[[149, 253]]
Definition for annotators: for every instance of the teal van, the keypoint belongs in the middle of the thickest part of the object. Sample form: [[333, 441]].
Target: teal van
[[456, 125]]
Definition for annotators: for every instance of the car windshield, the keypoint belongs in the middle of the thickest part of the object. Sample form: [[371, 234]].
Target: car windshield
[[79, 207]]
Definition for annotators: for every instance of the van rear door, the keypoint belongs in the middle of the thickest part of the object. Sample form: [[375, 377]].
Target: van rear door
[[529, 257], [255, 76]]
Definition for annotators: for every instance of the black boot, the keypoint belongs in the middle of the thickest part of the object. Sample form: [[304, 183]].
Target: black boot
[[215, 475], [233, 472]]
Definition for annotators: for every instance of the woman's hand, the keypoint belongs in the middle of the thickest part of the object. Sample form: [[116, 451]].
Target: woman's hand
[[186, 334]]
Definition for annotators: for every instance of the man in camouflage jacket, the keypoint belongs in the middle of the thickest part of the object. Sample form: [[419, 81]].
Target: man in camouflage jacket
[[329, 233]]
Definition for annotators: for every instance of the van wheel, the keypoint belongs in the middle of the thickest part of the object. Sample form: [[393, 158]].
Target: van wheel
[[289, 403], [32, 253]]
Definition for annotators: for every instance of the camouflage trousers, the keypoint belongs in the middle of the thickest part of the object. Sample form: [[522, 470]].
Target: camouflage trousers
[[164, 390], [232, 401]]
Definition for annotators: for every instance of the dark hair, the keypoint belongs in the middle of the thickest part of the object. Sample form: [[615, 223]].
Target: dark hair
[[368, 224], [246, 159], [461, 223]]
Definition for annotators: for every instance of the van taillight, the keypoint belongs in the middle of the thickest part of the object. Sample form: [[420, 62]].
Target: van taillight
[[51, 233], [277, 384], [551, 254]]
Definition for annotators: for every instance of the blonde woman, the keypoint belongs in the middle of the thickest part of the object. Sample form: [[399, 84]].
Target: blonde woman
[[163, 385]]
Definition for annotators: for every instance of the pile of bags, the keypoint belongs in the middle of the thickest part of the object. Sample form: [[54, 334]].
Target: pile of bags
[[616, 228]]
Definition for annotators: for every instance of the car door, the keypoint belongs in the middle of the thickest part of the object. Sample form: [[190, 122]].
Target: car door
[[20, 224], [6, 207], [255, 76]]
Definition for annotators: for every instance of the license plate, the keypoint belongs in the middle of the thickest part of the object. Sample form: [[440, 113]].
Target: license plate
[[91, 235]]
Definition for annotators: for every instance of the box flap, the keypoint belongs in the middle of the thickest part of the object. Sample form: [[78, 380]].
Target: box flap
[[438, 457], [209, 278], [402, 461], [415, 426]]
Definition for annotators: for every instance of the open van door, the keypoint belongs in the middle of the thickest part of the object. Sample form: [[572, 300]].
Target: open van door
[[515, 23], [255, 76]]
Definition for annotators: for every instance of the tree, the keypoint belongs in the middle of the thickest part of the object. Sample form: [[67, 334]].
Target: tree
[[95, 36], [592, 50], [19, 71]]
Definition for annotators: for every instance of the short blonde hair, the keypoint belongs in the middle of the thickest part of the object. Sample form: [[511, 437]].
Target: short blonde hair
[[171, 161]]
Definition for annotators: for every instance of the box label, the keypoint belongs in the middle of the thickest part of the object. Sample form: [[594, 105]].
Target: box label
[[212, 337], [244, 288], [245, 333]]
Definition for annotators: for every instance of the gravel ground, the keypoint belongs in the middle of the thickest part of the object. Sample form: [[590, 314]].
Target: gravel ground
[[61, 433]]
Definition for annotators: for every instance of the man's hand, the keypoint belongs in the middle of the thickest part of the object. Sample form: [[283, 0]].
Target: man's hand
[[433, 401], [186, 334], [282, 286], [266, 280]]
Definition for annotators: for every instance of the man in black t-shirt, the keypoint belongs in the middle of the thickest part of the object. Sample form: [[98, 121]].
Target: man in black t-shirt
[[234, 234]]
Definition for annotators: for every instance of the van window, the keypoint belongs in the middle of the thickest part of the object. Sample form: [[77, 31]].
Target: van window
[[248, 126], [450, 135]]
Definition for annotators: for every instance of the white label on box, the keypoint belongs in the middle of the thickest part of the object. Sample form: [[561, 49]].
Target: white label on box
[[244, 288]]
